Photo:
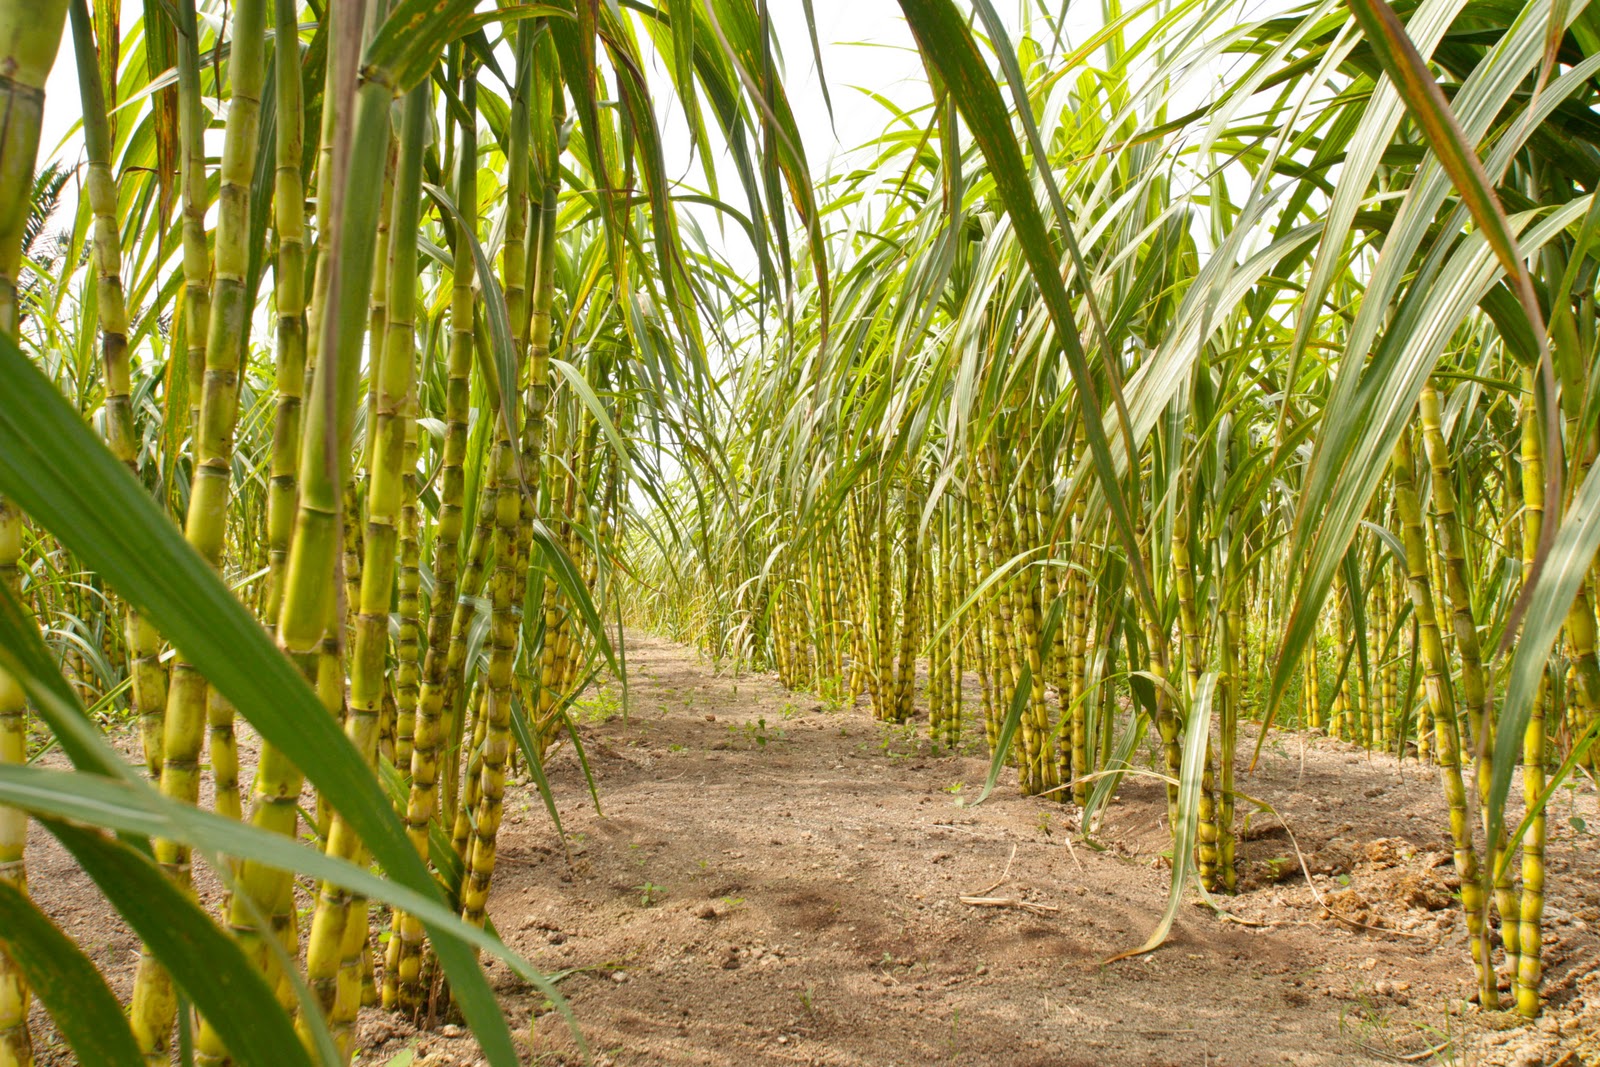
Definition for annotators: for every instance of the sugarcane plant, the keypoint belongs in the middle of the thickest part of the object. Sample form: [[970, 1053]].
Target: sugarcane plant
[[1154, 431]]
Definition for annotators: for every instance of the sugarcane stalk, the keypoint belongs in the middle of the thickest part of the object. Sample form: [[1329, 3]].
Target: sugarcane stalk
[[338, 926], [1458, 587], [1441, 705], [194, 204], [429, 736], [188, 712], [408, 642], [148, 674], [1079, 595], [1530, 910], [30, 36], [16, 1042], [496, 720], [906, 664], [1230, 693], [1208, 835]]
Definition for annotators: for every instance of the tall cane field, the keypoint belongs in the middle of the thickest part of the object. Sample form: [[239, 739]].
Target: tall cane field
[[387, 385]]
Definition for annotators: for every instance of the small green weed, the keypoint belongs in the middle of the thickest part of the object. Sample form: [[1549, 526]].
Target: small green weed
[[755, 734], [599, 705]]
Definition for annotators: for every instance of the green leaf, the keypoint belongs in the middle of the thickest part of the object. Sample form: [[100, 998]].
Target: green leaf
[[1431, 111], [66, 983], [1565, 567], [135, 808], [1196, 738], [572, 584], [206, 963], [415, 35], [498, 318], [530, 756], [1008, 731]]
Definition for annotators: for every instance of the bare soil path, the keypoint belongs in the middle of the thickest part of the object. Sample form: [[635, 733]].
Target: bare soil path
[[775, 883]]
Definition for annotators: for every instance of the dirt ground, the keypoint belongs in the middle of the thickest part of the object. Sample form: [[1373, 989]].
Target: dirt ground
[[775, 882]]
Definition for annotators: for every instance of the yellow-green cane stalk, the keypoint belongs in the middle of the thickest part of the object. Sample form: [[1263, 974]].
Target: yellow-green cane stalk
[[1583, 448], [408, 642], [1003, 665], [1441, 706], [471, 582], [428, 741], [497, 712], [828, 590], [16, 1044], [1530, 912], [329, 945], [154, 1004], [1313, 687], [149, 675], [973, 546], [30, 36], [1393, 736], [377, 317], [1582, 626], [856, 577], [1340, 718], [195, 202], [1361, 688], [471, 745], [289, 296], [327, 433], [949, 571], [1159, 652], [906, 665], [1230, 694], [535, 424], [940, 583], [1036, 770], [1458, 586], [883, 680], [532, 325], [515, 268], [1005, 621], [1078, 605], [960, 587], [564, 662], [309, 610], [513, 516], [101, 188], [1582, 640], [1208, 835], [1383, 620]]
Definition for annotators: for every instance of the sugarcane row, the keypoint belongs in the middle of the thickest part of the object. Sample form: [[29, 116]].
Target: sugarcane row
[[423, 635], [1012, 629]]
